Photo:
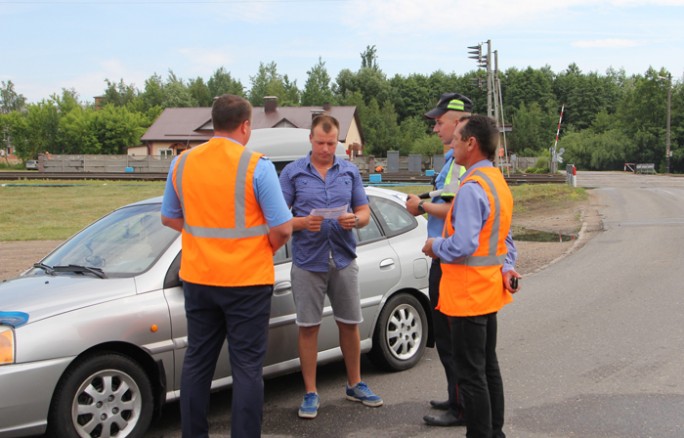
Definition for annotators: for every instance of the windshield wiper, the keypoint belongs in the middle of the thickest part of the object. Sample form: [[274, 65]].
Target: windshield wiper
[[79, 269], [48, 269]]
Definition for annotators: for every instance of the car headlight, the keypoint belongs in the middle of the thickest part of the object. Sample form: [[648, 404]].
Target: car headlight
[[6, 345]]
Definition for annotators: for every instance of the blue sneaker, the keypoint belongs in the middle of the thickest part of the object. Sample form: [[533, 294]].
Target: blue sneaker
[[309, 406], [362, 393]]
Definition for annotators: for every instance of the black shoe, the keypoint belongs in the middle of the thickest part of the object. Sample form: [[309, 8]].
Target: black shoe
[[441, 405], [446, 419]]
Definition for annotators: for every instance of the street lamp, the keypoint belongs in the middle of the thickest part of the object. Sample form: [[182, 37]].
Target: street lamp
[[667, 134]]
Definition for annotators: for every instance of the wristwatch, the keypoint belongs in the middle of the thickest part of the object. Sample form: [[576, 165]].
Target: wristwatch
[[356, 221], [420, 207]]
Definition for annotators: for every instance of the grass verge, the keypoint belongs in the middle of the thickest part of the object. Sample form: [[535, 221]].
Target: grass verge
[[51, 210]]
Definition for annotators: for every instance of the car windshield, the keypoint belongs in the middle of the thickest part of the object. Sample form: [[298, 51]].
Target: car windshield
[[124, 243]]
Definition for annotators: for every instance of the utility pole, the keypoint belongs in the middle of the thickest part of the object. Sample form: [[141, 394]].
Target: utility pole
[[484, 60], [494, 99]]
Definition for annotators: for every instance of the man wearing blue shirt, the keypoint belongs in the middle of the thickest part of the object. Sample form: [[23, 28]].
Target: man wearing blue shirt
[[324, 253], [450, 108], [227, 202], [478, 257]]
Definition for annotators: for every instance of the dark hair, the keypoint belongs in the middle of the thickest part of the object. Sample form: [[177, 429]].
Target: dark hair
[[326, 122], [230, 111], [484, 130]]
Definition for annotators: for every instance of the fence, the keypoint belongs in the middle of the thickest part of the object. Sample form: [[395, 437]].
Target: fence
[[414, 163], [103, 163]]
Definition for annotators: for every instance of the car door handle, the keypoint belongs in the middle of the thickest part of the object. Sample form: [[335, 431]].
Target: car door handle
[[282, 288], [387, 263]]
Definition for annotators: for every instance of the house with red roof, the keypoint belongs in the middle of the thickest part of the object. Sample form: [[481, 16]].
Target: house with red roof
[[178, 129]]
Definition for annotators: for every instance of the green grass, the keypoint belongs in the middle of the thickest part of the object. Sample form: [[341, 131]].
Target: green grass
[[528, 197], [52, 210], [55, 210]]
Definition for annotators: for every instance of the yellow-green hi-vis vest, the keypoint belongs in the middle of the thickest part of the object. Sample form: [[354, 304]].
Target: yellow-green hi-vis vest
[[450, 188]]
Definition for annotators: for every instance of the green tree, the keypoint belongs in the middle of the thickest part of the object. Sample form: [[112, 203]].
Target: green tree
[[412, 132], [267, 82], [412, 96], [200, 92], [119, 93], [380, 127], [14, 129], [38, 131], [153, 94], [429, 145], [590, 150], [317, 90], [533, 132], [117, 128], [528, 86], [369, 58], [642, 113], [584, 95], [291, 94], [10, 100], [76, 134], [221, 82], [177, 94]]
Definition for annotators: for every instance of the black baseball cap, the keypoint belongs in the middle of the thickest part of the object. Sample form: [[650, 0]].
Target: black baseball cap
[[450, 102]]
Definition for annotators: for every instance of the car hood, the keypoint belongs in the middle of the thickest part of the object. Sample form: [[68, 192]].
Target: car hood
[[43, 296]]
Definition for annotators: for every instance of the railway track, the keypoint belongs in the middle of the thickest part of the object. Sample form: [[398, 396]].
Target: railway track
[[386, 177]]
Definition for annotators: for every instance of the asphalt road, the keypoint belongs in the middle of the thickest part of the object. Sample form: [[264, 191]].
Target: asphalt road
[[593, 346]]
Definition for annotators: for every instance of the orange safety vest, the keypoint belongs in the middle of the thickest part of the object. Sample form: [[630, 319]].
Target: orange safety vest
[[225, 234], [474, 285]]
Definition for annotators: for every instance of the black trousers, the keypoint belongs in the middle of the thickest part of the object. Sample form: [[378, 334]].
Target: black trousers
[[214, 314], [442, 334], [478, 373]]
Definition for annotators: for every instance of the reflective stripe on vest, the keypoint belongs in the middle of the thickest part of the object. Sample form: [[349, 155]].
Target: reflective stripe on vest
[[490, 259], [474, 285], [240, 230], [449, 189]]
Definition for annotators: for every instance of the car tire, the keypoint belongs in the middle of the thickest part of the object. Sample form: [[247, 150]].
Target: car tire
[[400, 334], [103, 395]]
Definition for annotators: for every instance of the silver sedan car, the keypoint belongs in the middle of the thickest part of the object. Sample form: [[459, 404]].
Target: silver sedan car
[[92, 338]]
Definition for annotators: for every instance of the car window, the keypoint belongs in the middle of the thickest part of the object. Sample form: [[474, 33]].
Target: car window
[[126, 242], [393, 217], [370, 232]]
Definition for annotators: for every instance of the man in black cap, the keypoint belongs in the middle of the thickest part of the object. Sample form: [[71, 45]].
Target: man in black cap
[[446, 115]]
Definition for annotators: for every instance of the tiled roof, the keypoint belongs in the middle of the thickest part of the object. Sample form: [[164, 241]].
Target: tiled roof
[[183, 124], [179, 124]]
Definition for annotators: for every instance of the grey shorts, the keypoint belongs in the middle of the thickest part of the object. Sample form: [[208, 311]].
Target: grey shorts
[[341, 286]]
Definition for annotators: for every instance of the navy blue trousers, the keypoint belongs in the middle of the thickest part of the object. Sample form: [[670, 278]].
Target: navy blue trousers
[[214, 314], [479, 376], [442, 334]]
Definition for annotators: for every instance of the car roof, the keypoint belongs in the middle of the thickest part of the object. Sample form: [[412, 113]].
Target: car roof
[[285, 144]]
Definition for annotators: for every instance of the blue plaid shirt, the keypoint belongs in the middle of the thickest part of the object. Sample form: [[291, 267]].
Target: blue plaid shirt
[[304, 190]]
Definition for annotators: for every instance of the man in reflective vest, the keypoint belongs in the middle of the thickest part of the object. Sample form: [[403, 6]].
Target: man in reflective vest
[[450, 108], [227, 202], [478, 256]]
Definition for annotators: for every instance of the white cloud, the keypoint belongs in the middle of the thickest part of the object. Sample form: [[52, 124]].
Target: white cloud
[[92, 83], [608, 43], [206, 59], [458, 17]]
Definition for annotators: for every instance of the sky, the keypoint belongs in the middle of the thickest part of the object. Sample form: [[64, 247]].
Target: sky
[[50, 45]]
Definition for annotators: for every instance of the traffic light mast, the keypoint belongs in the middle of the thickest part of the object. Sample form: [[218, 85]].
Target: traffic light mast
[[494, 99]]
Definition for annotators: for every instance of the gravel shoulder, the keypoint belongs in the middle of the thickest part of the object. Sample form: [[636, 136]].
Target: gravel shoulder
[[582, 219]]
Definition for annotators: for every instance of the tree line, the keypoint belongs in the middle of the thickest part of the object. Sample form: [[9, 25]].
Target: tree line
[[609, 119]]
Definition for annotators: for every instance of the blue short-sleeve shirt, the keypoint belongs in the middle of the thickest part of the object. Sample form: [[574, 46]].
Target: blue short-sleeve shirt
[[304, 190]]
